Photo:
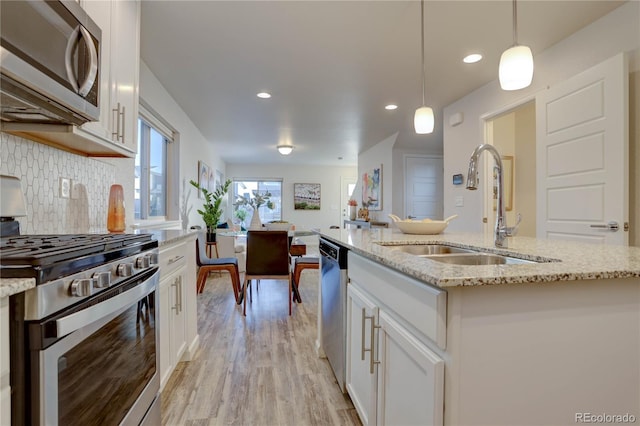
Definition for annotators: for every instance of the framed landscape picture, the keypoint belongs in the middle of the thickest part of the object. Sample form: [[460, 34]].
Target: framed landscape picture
[[306, 196]]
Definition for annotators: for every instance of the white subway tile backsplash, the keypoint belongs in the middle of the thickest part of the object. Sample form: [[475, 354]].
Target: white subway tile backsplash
[[39, 167]]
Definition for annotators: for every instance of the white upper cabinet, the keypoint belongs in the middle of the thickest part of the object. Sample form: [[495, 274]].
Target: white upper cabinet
[[119, 73]]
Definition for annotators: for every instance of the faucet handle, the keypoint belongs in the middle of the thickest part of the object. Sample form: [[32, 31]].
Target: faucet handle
[[511, 231]]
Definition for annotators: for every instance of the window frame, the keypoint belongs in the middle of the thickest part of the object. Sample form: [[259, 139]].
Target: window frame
[[152, 119], [258, 181]]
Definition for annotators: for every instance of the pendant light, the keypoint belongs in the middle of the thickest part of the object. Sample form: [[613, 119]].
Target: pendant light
[[423, 120], [285, 149], [516, 63]]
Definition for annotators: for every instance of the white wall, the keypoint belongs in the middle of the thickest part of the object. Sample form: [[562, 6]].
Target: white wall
[[374, 157], [331, 207], [615, 32], [193, 146]]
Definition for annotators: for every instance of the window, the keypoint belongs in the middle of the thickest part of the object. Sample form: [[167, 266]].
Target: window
[[153, 174], [245, 187]]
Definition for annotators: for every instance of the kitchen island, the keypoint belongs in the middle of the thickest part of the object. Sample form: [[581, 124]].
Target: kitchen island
[[551, 342]]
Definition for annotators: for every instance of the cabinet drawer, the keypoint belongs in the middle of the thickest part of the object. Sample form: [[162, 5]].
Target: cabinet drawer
[[173, 257], [418, 304]]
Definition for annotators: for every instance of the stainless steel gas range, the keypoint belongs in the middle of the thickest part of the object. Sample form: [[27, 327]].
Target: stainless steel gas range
[[84, 341]]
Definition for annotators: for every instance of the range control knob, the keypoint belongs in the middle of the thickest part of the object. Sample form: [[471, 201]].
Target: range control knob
[[81, 287], [124, 270], [102, 279], [142, 262], [153, 258]]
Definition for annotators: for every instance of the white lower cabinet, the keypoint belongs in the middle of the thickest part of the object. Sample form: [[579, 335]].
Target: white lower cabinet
[[393, 375], [172, 317], [5, 389], [410, 378], [362, 376]]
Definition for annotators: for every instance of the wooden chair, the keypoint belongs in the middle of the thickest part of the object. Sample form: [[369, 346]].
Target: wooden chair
[[267, 258], [207, 264], [299, 265]]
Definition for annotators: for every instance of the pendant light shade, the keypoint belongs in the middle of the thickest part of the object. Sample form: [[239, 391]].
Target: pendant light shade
[[516, 63], [423, 120], [516, 68], [285, 149]]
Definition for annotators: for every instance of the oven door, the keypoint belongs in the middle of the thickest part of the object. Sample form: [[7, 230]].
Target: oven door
[[104, 370]]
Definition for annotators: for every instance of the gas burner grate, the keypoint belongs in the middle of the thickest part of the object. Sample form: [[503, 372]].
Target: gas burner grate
[[42, 250]]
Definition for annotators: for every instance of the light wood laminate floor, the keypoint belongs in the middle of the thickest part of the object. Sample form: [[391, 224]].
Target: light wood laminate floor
[[258, 370]]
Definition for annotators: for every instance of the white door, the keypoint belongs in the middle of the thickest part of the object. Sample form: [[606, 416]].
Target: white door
[[582, 156], [424, 187], [347, 186]]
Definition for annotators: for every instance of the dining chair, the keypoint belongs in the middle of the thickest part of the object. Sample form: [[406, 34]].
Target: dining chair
[[299, 265], [207, 264], [267, 258]]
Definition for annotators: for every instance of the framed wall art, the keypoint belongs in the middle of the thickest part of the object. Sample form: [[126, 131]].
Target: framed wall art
[[372, 188], [204, 178], [306, 196]]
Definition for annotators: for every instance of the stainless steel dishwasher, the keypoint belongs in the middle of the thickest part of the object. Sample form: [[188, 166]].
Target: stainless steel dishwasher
[[333, 284]]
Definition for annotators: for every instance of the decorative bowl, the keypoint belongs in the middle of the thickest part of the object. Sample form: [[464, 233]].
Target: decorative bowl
[[421, 227]]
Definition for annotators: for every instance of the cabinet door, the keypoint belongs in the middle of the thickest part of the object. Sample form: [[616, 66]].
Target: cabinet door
[[178, 334], [172, 323], [101, 11], [360, 371], [164, 329], [125, 41], [410, 378]]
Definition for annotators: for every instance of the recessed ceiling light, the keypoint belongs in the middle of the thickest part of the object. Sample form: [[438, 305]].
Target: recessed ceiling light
[[264, 95], [472, 59], [391, 107]]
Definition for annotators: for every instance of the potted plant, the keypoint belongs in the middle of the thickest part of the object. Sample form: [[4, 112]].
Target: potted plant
[[211, 209], [255, 202]]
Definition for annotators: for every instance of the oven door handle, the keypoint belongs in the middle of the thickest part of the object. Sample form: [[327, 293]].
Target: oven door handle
[[77, 320]]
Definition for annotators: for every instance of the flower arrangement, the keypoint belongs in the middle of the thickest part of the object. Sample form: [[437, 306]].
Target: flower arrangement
[[352, 202], [257, 201]]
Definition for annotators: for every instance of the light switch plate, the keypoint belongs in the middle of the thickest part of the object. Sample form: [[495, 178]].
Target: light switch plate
[[65, 187], [75, 190], [459, 201]]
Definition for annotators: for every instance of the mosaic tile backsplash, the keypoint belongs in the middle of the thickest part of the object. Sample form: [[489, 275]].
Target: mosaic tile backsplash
[[79, 207]]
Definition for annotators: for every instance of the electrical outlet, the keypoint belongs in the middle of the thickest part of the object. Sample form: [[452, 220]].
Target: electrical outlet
[[65, 187], [459, 201]]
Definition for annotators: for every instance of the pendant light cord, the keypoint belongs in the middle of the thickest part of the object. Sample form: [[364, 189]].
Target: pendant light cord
[[422, 44], [515, 23]]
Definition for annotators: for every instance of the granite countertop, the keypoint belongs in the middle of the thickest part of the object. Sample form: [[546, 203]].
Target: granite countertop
[[168, 236], [11, 286], [560, 260]]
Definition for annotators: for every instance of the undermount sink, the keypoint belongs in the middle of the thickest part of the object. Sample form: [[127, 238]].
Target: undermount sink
[[429, 249], [457, 255], [476, 258]]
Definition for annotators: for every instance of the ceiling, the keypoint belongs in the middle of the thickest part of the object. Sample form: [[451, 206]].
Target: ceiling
[[332, 66]]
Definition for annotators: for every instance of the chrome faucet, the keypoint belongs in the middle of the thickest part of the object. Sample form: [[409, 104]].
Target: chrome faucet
[[502, 231]]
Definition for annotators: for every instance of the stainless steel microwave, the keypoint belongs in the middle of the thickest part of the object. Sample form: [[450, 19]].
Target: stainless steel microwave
[[49, 63]]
